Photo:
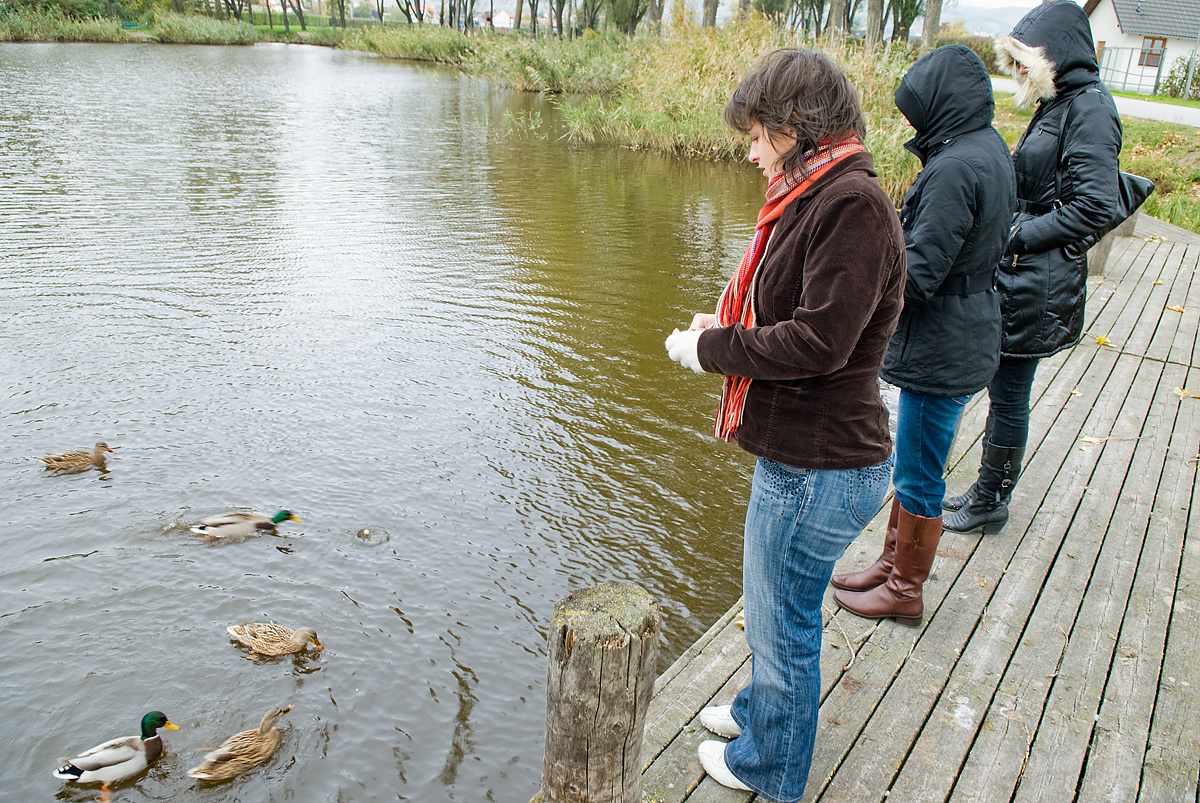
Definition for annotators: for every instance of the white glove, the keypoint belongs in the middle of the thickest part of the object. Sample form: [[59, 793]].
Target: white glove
[[681, 347]]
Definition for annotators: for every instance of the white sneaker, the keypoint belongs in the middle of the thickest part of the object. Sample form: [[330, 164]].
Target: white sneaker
[[719, 719], [712, 759]]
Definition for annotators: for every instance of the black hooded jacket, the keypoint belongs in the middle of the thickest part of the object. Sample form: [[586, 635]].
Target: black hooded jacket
[[1043, 288], [956, 219]]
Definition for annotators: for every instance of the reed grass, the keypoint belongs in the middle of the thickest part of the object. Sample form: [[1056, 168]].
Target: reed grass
[[180, 29], [32, 25], [434, 43]]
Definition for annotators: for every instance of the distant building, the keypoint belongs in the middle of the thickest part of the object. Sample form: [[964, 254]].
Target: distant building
[[1137, 41]]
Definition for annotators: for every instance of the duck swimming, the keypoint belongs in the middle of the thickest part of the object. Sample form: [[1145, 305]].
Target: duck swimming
[[117, 759], [242, 751], [79, 459], [229, 525]]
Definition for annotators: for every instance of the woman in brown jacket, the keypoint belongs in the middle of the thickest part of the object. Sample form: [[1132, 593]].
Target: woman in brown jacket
[[799, 334]]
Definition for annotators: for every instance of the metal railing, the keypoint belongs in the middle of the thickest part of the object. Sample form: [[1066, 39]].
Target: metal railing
[[1132, 69]]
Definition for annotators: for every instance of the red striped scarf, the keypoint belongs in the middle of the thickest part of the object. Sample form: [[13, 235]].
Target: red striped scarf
[[736, 304]]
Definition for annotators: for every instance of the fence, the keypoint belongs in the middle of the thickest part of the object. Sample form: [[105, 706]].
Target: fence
[[1132, 69]]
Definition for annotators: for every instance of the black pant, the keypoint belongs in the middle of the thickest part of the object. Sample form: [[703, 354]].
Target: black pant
[[1008, 401]]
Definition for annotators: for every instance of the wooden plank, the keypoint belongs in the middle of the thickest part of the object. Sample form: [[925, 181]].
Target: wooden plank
[[931, 768], [1183, 261], [1170, 772], [873, 763], [1127, 473], [1115, 757], [1155, 285], [705, 666], [1119, 747]]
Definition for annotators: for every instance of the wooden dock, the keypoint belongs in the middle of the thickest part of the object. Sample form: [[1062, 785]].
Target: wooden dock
[[1058, 660]]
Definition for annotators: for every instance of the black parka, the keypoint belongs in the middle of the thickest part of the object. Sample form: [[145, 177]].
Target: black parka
[[956, 219], [1043, 289]]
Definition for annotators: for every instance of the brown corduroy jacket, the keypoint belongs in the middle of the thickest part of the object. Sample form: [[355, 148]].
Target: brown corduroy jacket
[[826, 300]]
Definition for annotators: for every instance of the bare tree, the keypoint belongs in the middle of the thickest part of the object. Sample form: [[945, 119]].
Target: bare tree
[[533, 10], [837, 15], [903, 13], [556, 12], [626, 14], [412, 10], [874, 23], [589, 13], [933, 25], [710, 13], [517, 19]]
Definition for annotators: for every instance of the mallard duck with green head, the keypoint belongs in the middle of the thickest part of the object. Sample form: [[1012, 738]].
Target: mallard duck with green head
[[117, 759], [79, 459], [242, 751], [230, 525], [268, 638]]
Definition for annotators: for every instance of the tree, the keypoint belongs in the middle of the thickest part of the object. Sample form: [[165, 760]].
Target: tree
[[517, 18], [626, 14], [710, 13], [874, 23], [556, 11], [903, 13], [588, 13], [533, 9], [412, 10], [837, 17], [933, 24]]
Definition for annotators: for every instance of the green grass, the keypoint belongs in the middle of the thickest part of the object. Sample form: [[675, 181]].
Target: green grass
[[1194, 104]]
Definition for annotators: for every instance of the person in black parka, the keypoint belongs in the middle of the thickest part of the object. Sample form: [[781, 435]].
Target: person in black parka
[[1067, 188], [956, 219]]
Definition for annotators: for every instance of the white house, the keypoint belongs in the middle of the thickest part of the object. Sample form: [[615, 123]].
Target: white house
[[1137, 41]]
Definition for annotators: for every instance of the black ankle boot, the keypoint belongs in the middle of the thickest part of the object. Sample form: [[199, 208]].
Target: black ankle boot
[[986, 505]]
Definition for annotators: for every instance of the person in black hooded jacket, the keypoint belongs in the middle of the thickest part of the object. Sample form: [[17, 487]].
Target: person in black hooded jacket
[[956, 219], [1067, 189]]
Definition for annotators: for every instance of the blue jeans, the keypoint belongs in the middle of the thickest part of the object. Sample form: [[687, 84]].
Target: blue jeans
[[924, 434], [798, 523], [1008, 401]]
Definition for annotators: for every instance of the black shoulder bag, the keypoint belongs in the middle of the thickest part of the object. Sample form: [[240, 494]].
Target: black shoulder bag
[[1132, 189]]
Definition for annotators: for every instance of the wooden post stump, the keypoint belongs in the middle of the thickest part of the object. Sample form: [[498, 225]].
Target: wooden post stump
[[603, 644]]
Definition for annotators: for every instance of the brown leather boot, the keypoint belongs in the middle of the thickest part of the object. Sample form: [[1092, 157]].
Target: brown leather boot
[[900, 597], [878, 572]]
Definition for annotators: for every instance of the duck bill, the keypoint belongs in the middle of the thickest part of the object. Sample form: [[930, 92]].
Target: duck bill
[[171, 725]]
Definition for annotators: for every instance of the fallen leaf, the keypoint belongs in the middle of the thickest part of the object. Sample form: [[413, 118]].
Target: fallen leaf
[[1103, 341], [1184, 393], [1094, 440], [1075, 392], [1176, 309], [1157, 281]]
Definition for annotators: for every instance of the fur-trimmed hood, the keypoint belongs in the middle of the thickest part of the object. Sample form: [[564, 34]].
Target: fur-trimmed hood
[[1054, 42]]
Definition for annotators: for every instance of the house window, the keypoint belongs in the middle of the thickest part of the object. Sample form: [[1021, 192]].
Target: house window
[[1152, 50]]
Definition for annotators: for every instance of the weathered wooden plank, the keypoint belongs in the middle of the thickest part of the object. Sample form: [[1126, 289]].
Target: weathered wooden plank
[[705, 666], [874, 761], [930, 770], [679, 759], [1127, 473], [1075, 517], [1171, 768], [1153, 288], [1115, 758], [1183, 264]]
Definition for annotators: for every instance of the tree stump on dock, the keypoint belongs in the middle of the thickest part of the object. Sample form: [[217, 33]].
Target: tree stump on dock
[[603, 644]]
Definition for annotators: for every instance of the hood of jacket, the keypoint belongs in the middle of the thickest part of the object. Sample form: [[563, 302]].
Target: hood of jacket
[[1054, 42], [944, 95]]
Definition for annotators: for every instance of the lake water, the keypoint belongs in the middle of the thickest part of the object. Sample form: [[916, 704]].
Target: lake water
[[287, 277]]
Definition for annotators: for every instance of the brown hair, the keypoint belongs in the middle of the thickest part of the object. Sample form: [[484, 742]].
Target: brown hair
[[801, 93]]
